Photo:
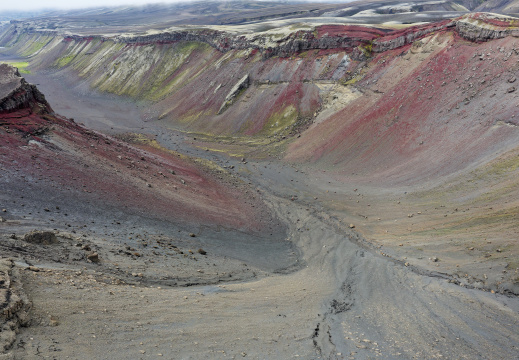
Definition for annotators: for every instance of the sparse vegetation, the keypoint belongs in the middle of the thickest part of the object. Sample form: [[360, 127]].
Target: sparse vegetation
[[21, 65]]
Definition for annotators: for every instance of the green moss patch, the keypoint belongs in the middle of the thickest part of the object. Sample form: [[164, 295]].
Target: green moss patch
[[64, 61], [22, 66], [281, 121]]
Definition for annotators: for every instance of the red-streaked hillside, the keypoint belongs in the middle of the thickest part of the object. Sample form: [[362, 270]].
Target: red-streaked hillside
[[144, 177]]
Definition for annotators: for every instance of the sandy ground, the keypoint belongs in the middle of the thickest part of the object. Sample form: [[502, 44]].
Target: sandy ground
[[336, 296], [346, 302]]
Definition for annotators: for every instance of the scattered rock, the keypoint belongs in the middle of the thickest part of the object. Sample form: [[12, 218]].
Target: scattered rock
[[2, 219], [435, 259], [511, 89], [94, 257], [512, 79], [352, 226], [192, 235], [41, 237], [202, 252], [53, 321], [235, 92]]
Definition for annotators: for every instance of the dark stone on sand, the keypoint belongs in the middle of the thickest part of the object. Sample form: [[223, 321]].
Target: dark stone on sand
[[41, 237], [94, 257]]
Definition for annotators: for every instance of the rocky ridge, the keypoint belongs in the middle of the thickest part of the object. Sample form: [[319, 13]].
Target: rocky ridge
[[474, 27], [484, 27], [356, 38], [16, 93]]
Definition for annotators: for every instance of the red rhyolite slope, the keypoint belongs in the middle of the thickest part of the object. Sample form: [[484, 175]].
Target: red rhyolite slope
[[44, 146], [427, 109]]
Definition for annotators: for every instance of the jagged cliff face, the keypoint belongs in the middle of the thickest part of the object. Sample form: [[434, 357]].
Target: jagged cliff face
[[16, 93]]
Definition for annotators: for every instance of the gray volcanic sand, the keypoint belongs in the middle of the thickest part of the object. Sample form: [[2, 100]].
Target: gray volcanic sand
[[331, 297], [102, 112]]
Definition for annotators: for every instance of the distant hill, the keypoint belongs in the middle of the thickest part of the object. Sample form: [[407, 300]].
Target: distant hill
[[510, 7], [132, 18], [20, 15]]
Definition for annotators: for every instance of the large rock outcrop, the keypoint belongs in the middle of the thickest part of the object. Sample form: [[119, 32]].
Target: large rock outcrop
[[16, 93], [14, 305], [484, 27]]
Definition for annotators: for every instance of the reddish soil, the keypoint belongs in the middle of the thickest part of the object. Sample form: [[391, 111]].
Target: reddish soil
[[152, 180]]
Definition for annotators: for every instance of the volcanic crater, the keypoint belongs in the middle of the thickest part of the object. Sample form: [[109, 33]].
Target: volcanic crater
[[272, 186]]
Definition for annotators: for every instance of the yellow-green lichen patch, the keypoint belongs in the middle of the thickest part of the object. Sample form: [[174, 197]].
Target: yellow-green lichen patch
[[22, 66], [367, 49], [34, 44], [151, 72], [281, 121], [34, 48], [64, 61]]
